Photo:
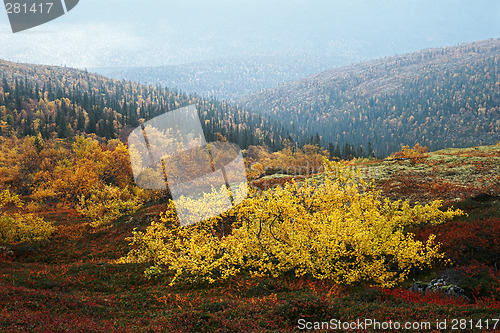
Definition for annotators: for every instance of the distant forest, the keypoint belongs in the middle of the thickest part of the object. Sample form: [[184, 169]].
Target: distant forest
[[439, 98], [59, 102]]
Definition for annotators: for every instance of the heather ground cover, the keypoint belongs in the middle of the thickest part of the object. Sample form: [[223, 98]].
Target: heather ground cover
[[71, 282]]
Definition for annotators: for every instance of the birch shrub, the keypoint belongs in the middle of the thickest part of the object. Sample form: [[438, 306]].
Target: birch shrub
[[19, 228], [104, 205], [335, 228]]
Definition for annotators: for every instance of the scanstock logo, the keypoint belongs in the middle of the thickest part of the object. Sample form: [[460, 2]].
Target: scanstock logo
[[205, 179], [26, 14]]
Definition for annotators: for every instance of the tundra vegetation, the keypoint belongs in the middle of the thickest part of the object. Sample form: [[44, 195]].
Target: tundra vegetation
[[352, 239]]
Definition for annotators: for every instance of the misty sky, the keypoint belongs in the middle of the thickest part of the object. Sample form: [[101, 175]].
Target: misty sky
[[162, 32]]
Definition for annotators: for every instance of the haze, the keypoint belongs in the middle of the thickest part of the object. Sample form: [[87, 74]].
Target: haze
[[124, 33]]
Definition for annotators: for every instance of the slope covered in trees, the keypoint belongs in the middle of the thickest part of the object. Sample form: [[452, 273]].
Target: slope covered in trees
[[441, 98], [60, 102], [226, 79]]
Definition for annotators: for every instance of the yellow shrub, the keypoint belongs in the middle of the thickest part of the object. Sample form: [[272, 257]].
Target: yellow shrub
[[336, 229], [24, 228], [258, 168], [6, 198], [415, 153], [19, 228], [107, 204]]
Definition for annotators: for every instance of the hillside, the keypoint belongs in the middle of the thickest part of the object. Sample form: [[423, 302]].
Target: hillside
[[59, 102], [72, 282], [442, 98], [226, 79]]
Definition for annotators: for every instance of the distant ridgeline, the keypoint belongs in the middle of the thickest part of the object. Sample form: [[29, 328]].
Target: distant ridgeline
[[440, 98], [60, 102], [63, 102]]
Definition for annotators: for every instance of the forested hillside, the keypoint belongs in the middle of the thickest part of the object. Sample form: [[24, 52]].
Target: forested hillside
[[62, 102], [225, 79], [413, 237], [441, 98]]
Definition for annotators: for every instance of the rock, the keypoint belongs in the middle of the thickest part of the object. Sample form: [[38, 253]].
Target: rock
[[440, 285], [6, 251]]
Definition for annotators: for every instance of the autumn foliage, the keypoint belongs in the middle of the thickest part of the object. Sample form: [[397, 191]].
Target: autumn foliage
[[19, 228], [102, 206], [337, 229], [333, 230], [415, 154]]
